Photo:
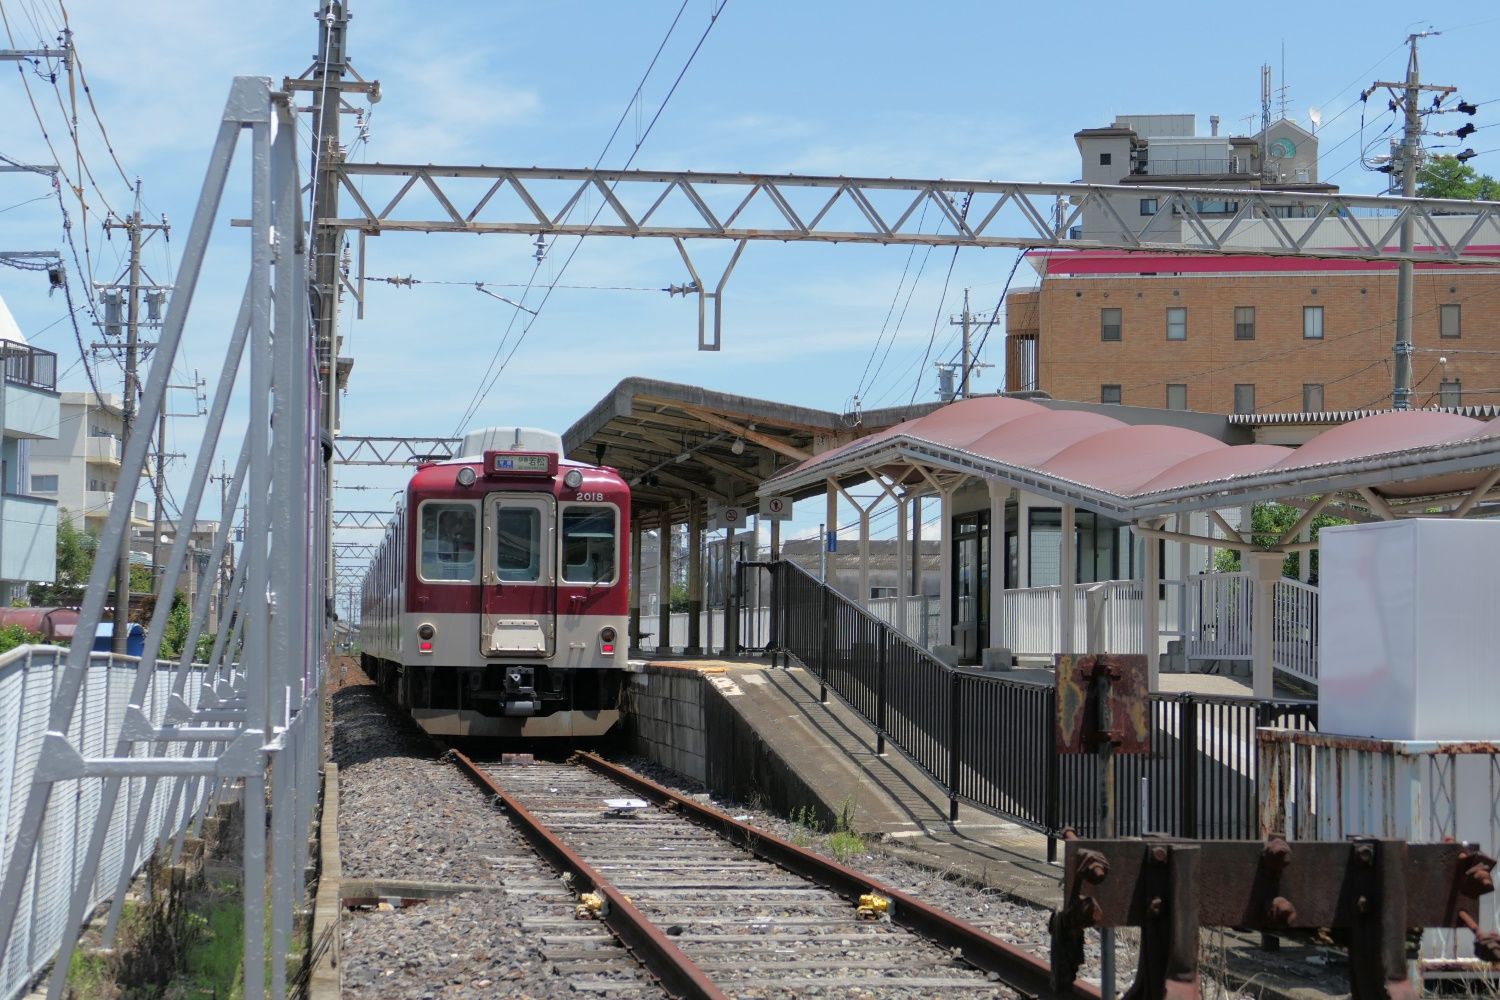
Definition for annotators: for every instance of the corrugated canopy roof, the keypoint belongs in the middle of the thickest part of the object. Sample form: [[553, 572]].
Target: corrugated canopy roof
[[1139, 470]]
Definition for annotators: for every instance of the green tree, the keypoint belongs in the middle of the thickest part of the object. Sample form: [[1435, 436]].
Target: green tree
[[174, 632], [75, 561], [1269, 522], [1446, 177]]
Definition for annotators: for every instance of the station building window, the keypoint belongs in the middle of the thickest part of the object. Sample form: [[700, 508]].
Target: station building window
[[1312, 397], [1105, 158], [1109, 394], [1451, 392], [1177, 396], [1244, 398], [1177, 323], [1244, 322], [1450, 321], [1148, 206], [1312, 322]]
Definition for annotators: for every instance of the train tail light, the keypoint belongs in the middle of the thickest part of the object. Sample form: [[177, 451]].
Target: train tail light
[[425, 632], [607, 641]]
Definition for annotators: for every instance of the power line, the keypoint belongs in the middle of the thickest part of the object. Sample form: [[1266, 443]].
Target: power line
[[547, 294]]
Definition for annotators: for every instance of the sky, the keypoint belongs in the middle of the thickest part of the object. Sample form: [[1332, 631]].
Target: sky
[[980, 90]]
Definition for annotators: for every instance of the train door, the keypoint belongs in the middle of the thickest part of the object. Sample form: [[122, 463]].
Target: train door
[[518, 606]]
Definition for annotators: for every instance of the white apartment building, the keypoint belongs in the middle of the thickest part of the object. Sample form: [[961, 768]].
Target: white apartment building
[[80, 469], [1144, 151], [28, 416]]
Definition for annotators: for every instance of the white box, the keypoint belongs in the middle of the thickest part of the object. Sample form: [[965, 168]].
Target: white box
[[1409, 630]]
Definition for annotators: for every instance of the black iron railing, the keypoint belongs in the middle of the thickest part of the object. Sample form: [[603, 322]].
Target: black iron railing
[[990, 739]]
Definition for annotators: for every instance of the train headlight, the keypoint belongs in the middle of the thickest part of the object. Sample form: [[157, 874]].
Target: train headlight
[[425, 632], [573, 479], [466, 476], [607, 641]]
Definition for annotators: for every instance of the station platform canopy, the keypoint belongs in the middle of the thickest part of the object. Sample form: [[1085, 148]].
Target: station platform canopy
[[1380, 466]]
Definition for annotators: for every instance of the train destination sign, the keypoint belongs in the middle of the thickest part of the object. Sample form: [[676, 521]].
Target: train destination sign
[[519, 463]]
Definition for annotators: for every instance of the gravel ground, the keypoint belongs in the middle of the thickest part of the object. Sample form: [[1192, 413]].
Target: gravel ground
[[404, 814]]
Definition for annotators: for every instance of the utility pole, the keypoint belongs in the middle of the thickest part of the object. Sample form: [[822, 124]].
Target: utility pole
[[1406, 94], [224, 574], [134, 227], [970, 367], [327, 109]]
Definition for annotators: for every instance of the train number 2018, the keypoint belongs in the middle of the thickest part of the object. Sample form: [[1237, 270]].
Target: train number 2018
[[590, 497]]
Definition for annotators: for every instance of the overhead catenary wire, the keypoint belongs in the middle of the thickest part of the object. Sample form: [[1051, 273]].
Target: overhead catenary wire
[[557, 277]]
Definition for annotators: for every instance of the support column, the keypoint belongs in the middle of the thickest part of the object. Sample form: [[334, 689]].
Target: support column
[[864, 556], [830, 530], [945, 561], [635, 585], [695, 579], [903, 563], [731, 631], [917, 546], [1184, 571], [775, 541], [1067, 576], [1023, 541], [1304, 557], [1150, 595], [664, 585], [998, 497], [1266, 567]]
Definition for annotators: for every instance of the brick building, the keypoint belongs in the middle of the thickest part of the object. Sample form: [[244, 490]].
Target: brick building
[[1238, 334], [1245, 335]]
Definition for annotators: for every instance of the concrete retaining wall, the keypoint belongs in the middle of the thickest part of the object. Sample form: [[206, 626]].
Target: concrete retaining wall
[[688, 722], [665, 719]]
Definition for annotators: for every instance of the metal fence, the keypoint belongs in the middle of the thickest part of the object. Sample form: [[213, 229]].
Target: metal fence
[[990, 739], [104, 759]]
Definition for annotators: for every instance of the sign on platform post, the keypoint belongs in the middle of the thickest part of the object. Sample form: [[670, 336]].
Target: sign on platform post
[[731, 518], [775, 508]]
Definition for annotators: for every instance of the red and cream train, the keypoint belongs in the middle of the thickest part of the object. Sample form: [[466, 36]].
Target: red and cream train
[[497, 603]]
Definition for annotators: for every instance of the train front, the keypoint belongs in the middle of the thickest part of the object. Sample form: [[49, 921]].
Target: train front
[[517, 596]]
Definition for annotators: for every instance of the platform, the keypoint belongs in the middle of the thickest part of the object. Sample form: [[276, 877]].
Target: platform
[[830, 749]]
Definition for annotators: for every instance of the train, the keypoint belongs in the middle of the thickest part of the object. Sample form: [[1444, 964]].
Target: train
[[497, 603]]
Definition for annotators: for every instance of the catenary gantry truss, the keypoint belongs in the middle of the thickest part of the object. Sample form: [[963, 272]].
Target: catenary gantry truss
[[787, 207], [351, 450]]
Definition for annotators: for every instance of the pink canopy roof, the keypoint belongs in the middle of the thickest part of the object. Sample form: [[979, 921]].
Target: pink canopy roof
[[1413, 453]]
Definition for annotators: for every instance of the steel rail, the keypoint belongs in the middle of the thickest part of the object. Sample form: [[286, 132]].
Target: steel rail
[[677, 973], [1018, 969]]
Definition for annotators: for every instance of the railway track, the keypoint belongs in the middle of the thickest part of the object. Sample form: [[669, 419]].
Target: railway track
[[714, 908]]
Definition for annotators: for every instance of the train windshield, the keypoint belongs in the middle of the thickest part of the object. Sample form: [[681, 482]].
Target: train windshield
[[518, 538], [448, 536], [588, 538]]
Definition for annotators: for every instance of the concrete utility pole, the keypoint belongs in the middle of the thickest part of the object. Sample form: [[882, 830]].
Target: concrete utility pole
[[970, 367], [327, 105], [1405, 95], [134, 227]]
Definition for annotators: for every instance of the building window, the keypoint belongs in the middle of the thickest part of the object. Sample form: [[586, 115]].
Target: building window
[[1312, 397], [1104, 159], [1451, 321], [1451, 392], [882, 593], [1109, 324], [1244, 398], [1177, 323], [1177, 396], [1148, 206], [44, 484], [1312, 322], [1109, 394], [1244, 322]]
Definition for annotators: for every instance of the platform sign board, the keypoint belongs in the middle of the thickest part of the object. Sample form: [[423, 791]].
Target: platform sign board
[[775, 508], [730, 518]]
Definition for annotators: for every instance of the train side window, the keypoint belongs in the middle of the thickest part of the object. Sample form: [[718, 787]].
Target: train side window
[[518, 540], [448, 537], [588, 539]]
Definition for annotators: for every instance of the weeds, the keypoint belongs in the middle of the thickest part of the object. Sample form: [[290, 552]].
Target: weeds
[[844, 842]]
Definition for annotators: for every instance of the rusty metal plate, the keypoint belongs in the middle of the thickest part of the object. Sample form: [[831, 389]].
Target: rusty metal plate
[[1239, 888], [1128, 684]]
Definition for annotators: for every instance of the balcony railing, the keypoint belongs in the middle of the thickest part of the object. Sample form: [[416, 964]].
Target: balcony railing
[[1209, 166], [30, 366], [102, 449]]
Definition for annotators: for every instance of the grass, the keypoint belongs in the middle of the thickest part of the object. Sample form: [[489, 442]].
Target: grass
[[211, 968], [844, 842], [90, 977]]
